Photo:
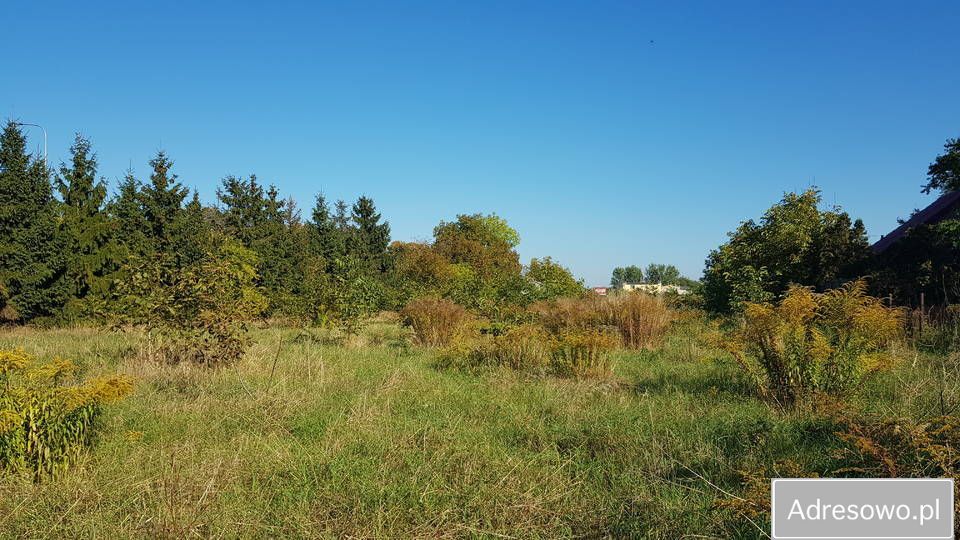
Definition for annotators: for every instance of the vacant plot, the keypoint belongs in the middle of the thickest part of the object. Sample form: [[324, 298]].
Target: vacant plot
[[309, 437]]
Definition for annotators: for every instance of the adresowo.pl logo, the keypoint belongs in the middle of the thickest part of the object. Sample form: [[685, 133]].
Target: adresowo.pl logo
[[861, 508]]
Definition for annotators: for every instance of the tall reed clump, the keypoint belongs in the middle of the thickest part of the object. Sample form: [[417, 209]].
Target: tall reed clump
[[811, 343], [582, 353], [521, 348], [435, 322], [47, 417], [641, 319]]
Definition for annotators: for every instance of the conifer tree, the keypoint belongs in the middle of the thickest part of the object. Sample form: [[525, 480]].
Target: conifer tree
[[31, 257], [326, 234], [127, 211], [85, 228], [371, 237], [162, 203]]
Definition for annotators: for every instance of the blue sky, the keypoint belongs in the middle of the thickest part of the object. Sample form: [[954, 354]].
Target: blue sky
[[607, 133]]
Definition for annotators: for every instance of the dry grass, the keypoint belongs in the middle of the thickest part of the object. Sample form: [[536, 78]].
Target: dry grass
[[435, 321]]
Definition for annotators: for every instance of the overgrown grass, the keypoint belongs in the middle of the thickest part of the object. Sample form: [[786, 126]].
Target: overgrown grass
[[308, 438]]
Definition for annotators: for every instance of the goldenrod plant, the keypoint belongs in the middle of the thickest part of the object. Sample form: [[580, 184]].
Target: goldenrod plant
[[47, 416], [815, 342]]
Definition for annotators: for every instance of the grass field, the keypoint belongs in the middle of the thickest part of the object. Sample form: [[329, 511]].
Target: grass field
[[304, 438]]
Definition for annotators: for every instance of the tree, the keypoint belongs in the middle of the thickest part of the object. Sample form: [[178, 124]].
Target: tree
[[626, 275], [127, 211], [85, 228], [371, 237], [162, 203], [485, 243], [944, 173], [794, 243], [666, 274], [551, 280], [31, 254], [244, 207]]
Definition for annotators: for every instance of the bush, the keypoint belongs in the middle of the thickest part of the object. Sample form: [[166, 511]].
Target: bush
[[584, 353], [46, 417], [199, 313], [435, 321], [814, 342]]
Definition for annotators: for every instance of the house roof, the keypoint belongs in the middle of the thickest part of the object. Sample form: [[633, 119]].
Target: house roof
[[938, 210]]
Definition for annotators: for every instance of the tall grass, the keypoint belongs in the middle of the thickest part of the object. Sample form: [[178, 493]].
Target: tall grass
[[435, 321], [641, 320]]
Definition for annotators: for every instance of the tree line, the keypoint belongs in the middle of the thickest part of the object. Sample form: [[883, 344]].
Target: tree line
[[67, 248]]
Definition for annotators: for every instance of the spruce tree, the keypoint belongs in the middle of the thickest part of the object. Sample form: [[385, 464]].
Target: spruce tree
[[85, 228], [162, 203], [371, 237], [325, 231], [127, 212], [31, 256]]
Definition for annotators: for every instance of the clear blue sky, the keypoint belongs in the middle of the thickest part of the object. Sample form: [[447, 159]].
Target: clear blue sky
[[607, 133]]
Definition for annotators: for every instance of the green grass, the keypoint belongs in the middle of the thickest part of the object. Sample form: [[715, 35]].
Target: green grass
[[373, 441]]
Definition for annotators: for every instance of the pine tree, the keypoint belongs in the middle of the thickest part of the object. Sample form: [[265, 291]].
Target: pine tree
[[86, 229], [371, 237], [31, 256]]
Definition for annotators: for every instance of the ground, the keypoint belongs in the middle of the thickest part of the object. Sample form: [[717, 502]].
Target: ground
[[307, 437]]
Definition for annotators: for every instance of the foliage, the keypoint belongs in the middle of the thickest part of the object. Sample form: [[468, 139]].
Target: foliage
[[200, 313], [47, 417], [815, 342], [371, 237], [436, 322], [666, 274], [31, 252], [925, 261], [944, 173], [484, 243], [87, 232], [549, 279], [626, 275], [795, 243]]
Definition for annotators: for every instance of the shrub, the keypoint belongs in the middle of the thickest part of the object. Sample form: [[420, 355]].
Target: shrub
[[641, 319], [435, 321], [583, 353], [199, 313], [47, 418], [814, 342]]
